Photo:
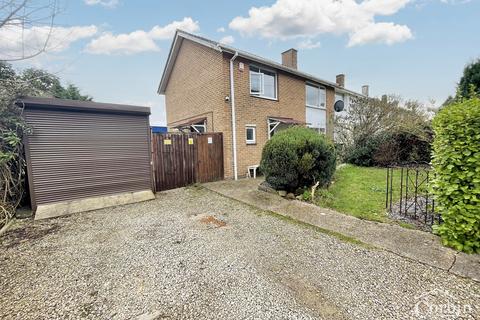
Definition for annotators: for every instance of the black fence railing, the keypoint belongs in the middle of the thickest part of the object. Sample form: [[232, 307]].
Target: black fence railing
[[408, 195]]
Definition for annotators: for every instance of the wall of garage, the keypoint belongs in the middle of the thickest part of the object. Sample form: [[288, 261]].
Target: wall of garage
[[80, 150]]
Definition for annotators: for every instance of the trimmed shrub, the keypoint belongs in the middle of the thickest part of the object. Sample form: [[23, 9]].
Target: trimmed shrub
[[296, 158], [456, 161]]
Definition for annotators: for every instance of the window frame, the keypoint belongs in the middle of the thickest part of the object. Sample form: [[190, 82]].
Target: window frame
[[261, 94], [338, 94], [319, 88], [254, 128]]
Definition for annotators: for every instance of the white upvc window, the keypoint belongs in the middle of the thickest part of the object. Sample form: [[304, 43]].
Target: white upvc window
[[250, 134], [316, 113], [339, 96], [343, 97], [315, 96], [263, 83]]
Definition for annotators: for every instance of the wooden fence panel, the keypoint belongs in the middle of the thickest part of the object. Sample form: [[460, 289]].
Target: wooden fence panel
[[181, 159]]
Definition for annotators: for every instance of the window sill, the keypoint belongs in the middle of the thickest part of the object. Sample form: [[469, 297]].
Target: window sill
[[261, 97], [251, 143]]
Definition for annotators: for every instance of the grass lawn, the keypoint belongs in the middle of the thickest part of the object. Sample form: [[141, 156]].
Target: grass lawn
[[358, 191]]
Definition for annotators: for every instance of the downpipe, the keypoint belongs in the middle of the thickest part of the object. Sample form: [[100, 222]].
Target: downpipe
[[234, 118]]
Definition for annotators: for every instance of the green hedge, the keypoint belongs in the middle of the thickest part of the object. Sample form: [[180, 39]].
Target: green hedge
[[456, 161], [296, 158]]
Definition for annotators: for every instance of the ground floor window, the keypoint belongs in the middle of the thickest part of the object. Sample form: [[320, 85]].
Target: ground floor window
[[316, 119], [250, 131]]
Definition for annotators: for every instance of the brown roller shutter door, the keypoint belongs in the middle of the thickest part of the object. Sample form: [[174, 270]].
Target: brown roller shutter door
[[76, 152]]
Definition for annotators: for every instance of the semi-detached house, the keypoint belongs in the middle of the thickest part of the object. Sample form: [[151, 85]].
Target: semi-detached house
[[212, 87]]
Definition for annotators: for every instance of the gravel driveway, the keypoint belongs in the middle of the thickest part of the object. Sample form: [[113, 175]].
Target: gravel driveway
[[193, 254]]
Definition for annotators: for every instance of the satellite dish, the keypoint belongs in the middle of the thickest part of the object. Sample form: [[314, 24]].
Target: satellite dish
[[339, 106]]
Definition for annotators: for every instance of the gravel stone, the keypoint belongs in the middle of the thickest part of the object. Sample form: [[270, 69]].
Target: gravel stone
[[193, 254]]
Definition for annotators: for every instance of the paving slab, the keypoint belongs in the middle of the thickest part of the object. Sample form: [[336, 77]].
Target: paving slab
[[413, 244]]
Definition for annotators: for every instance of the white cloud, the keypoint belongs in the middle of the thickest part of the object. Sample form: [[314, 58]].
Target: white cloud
[[104, 3], [221, 29], [16, 43], [167, 32], [308, 44], [140, 40], [227, 40], [125, 43], [289, 19], [382, 32]]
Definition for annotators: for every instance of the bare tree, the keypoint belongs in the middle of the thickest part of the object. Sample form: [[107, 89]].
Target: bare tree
[[17, 19], [370, 116]]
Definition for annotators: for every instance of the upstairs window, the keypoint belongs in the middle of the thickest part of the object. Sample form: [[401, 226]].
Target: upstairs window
[[316, 114], [263, 83], [339, 96], [315, 96], [344, 98]]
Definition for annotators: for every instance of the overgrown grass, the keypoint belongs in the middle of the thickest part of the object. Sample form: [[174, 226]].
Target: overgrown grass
[[358, 191]]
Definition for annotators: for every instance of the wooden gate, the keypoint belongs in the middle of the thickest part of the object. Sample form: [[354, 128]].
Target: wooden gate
[[180, 159]]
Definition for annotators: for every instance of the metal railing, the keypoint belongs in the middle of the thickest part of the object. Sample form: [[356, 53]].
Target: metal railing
[[408, 194]]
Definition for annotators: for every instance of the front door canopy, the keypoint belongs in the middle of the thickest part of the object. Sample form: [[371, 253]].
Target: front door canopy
[[274, 122], [198, 125]]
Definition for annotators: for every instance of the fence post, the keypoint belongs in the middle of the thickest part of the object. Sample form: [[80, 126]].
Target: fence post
[[391, 189], [388, 185], [401, 189]]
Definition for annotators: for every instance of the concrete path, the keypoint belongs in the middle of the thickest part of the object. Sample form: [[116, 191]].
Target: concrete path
[[417, 245]]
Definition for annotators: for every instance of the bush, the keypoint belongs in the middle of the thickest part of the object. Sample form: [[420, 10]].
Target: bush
[[298, 157], [384, 149], [456, 161], [363, 150]]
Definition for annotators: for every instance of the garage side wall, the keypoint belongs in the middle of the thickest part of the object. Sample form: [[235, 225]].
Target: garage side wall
[[76, 154]]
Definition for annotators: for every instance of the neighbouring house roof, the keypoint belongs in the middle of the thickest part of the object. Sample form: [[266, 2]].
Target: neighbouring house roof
[[286, 120], [190, 122], [180, 35]]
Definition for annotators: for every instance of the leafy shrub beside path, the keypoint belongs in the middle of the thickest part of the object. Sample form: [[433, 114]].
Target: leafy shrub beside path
[[456, 161]]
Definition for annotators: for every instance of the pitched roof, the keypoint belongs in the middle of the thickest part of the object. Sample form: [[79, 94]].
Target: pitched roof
[[220, 47]]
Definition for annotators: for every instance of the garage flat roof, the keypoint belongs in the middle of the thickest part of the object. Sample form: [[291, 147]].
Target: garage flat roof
[[78, 105]]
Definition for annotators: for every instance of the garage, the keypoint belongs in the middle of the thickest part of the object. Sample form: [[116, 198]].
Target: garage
[[84, 155]]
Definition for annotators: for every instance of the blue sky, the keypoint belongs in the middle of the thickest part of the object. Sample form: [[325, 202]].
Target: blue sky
[[416, 49]]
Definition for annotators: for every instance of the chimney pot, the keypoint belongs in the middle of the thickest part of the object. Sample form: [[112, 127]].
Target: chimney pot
[[289, 58], [340, 80], [365, 90]]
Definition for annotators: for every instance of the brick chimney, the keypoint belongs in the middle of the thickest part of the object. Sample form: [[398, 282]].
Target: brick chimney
[[365, 90], [340, 80], [289, 58]]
